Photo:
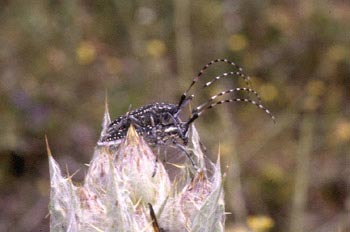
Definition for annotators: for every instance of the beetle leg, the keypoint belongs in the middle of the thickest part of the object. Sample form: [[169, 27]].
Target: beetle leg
[[182, 148], [156, 163]]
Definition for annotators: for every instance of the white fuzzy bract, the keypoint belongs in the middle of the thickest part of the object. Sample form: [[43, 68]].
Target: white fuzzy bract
[[124, 180]]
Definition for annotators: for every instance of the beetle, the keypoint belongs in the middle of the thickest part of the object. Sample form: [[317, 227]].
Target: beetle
[[160, 123]]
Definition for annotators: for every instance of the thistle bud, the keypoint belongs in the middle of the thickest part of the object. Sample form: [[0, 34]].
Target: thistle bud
[[126, 188]]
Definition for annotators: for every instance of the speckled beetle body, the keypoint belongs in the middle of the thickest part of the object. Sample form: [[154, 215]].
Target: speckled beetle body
[[160, 123]]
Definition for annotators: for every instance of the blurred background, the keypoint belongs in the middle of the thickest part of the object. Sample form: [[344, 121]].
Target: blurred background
[[58, 58]]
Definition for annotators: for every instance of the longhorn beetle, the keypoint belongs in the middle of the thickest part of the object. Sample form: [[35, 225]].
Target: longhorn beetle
[[160, 123]]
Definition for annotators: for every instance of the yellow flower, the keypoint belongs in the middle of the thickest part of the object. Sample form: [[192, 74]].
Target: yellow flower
[[337, 53], [260, 223], [316, 88], [86, 53], [268, 92], [237, 42], [342, 130], [155, 48]]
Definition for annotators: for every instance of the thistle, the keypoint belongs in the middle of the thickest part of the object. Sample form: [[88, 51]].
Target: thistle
[[127, 189]]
